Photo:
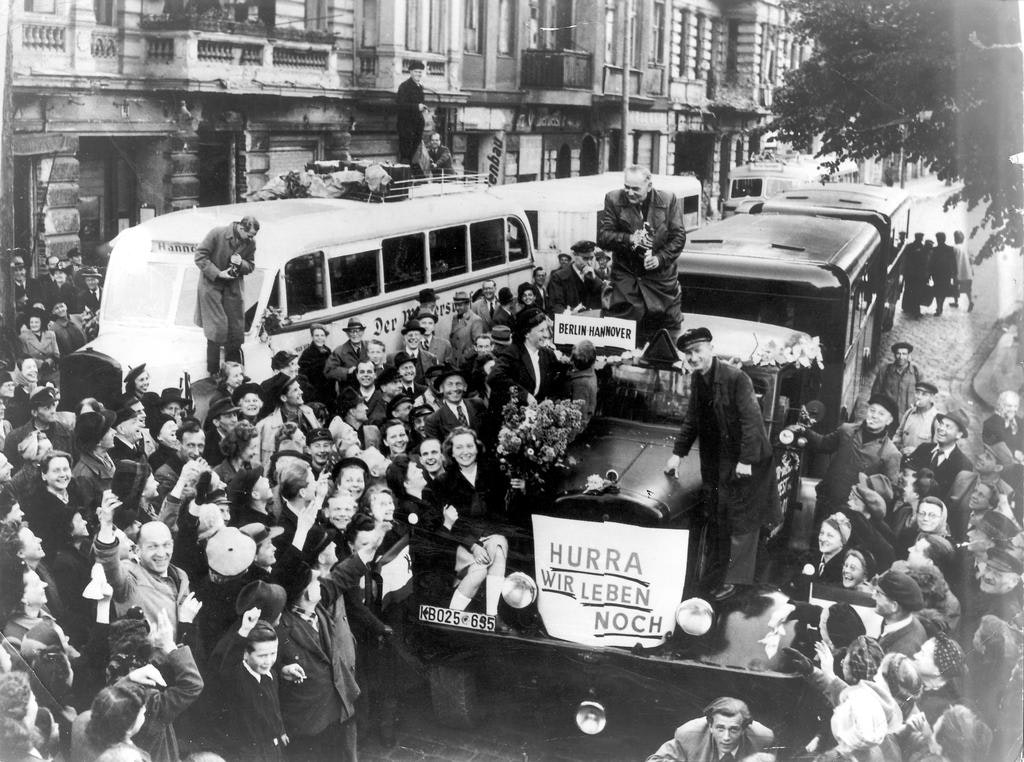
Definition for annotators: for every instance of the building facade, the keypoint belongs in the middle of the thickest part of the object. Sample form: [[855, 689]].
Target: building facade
[[126, 110]]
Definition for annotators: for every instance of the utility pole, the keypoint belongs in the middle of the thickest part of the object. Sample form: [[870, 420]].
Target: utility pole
[[626, 19]]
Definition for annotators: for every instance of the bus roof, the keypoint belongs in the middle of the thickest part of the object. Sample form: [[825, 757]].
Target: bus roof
[[853, 196], [291, 226], [791, 242], [584, 194]]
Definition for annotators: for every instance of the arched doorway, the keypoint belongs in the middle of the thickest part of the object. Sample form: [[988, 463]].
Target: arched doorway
[[563, 166], [589, 162]]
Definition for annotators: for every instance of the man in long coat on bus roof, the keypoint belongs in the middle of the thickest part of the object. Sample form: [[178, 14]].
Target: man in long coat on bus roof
[[226, 255], [736, 460], [643, 229]]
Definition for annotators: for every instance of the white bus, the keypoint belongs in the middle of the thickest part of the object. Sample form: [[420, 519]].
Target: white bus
[[765, 178], [317, 261], [566, 210]]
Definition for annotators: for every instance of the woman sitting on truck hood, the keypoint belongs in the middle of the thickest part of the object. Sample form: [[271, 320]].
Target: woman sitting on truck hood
[[469, 497]]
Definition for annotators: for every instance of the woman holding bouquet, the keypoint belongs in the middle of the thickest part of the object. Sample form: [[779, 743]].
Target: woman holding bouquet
[[469, 495]]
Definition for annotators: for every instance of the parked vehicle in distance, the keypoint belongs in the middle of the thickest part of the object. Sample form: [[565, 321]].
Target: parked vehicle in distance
[[768, 177], [566, 210]]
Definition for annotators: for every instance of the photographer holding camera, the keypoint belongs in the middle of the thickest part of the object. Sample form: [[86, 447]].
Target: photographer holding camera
[[225, 256], [643, 230]]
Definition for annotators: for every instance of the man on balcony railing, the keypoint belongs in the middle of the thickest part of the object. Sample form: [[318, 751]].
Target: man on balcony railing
[[411, 110]]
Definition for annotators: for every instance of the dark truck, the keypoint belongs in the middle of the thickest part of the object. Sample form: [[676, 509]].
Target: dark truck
[[650, 670]]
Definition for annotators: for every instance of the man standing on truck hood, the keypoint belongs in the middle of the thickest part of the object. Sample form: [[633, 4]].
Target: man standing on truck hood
[[643, 230], [224, 257], [736, 461]]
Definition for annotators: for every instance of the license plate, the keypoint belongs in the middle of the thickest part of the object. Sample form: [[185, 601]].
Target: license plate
[[455, 618]]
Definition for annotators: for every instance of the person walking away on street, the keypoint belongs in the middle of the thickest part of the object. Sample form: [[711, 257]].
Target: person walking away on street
[[411, 109], [964, 270], [225, 256], [943, 271], [735, 458], [643, 230], [915, 275]]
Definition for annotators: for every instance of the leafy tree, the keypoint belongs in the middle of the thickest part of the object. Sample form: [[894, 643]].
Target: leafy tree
[[939, 78]]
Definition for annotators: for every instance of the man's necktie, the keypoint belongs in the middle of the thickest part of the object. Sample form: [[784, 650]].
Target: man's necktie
[[462, 416], [490, 306], [1011, 426], [727, 757]]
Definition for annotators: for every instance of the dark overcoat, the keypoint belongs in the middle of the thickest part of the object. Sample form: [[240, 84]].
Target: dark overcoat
[[220, 305]]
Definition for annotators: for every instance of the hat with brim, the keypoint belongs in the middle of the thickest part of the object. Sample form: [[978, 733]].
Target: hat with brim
[[426, 315], [392, 406], [282, 359], [415, 65], [240, 487], [319, 435], [692, 337], [958, 417], [997, 526], [426, 295], [460, 297], [420, 411], [444, 372], [401, 358], [412, 325], [260, 533], [354, 324], [1002, 560], [91, 427], [250, 387], [528, 319], [349, 398], [927, 386], [583, 247], [349, 463], [887, 403], [902, 345], [901, 588], [230, 552], [270, 599], [387, 376], [171, 395], [125, 413], [43, 398], [90, 272], [501, 335], [223, 406]]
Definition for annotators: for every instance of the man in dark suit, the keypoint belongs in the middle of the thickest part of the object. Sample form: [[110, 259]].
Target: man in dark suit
[[455, 410], [90, 295], [727, 731], [943, 272], [527, 369], [577, 287], [944, 457], [735, 458], [412, 340], [411, 109], [643, 230], [347, 355]]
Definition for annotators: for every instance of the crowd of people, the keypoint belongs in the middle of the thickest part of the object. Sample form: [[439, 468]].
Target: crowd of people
[[241, 585]]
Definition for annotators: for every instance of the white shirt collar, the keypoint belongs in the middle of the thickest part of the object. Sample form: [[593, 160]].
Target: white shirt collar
[[257, 675]]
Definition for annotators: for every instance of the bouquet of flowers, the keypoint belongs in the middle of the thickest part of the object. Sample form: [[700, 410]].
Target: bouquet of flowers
[[534, 437], [804, 351]]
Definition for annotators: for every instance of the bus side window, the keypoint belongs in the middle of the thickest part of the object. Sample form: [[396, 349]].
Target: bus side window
[[403, 261], [516, 234], [447, 252], [487, 242], [304, 284], [353, 277]]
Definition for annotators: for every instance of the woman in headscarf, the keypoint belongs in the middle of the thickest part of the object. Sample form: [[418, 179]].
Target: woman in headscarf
[[931, 518], [940, 661]]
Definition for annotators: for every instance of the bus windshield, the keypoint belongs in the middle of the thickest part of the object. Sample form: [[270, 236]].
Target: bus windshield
[[746, 187], [165, 292]]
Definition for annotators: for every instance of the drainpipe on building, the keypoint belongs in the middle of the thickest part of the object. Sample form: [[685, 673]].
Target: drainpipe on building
[[624, 14]]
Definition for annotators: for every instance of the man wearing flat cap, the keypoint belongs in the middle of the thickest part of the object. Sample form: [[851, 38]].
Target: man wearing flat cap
[[575, 288], [643, 230], [856, 447], [43, 424], [735, 459], [899, 379], [411, 109], [944, 457], [224, 257], [897, 597], [917, 423]]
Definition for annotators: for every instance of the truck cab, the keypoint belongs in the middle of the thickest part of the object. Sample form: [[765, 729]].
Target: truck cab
[[603, 594]]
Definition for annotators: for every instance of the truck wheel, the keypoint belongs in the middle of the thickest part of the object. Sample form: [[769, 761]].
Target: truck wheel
[[454, 696]]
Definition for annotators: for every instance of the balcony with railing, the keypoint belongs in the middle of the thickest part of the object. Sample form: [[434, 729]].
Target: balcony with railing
[[556, 70], [241, 56]]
